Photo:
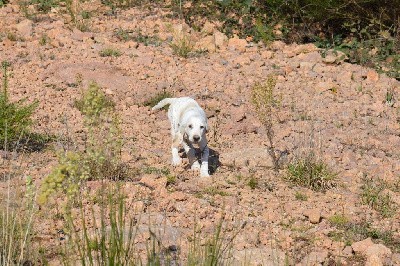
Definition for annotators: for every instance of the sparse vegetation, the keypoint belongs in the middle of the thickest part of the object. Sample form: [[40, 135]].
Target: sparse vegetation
[[300, 196], [157, 98], [101, 158], [311, 173], [182, 45], [373, 194], [110, 52], [253, 182], [147, 40], [16, 232], [265, 103], [15, 118]]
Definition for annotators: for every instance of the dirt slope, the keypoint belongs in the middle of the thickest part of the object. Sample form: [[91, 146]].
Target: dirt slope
[[335, 109]]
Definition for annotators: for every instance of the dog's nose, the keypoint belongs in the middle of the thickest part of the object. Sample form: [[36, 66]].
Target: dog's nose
[[196, 138]]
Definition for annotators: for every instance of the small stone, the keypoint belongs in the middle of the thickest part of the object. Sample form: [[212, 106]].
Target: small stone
[[220, 39], [267, 54], [361, 246], [372, 76], [347, 251], [314, 215], [374, 260], [378, 250], [237, 44], [25, 28]]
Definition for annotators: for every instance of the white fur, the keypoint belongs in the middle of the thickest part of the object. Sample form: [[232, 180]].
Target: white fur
[[188, 128]]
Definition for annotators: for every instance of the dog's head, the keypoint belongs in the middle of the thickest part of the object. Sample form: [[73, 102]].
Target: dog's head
[[195, 128]]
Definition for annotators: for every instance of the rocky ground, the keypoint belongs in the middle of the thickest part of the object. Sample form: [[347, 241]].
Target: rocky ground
[[335, 109]]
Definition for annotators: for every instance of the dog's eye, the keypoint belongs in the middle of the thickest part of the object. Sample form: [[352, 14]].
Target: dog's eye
[[201, 127], [190, 126]]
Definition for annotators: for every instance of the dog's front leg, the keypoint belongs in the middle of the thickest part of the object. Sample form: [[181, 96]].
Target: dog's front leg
[[190, 152], [204, 158], [177, 140]]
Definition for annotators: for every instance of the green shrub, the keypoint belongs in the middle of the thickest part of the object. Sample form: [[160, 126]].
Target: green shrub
[[265, 104], [373, 195], [15, 118], [110, 240], [101, 158], [311, 173], [107, 52], [182, 45]]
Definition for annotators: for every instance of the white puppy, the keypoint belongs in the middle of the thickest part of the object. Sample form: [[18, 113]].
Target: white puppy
[[188, 127]]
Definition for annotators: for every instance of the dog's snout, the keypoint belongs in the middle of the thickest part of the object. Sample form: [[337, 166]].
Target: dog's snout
[[196, 138]]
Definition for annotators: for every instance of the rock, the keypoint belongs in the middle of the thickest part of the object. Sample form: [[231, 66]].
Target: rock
[[206, 43], [372, 76], [334, 57], [314, 215], [360, 247], [220, 39], [277, 45], [267, 54], [25, 28], [208, 28], [237, 44], [378, 250], [374, 260], [347, 251], [315, 258], [305, 48], [325, 86]]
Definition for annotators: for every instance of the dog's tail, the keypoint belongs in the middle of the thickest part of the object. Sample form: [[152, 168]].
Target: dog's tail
[[163, 103]]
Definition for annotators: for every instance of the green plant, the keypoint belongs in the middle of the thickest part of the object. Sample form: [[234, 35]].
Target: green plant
[[109, 240], [300, 196], [44, 6], [154, 170], [182, 45], [110, 52], [3, 2], [147, 40], [157, 98], [101, 158], [123, 35], [253, 182], [16, 226], [216, 250], [311, 173], [15, 118], [338, 220], [373, 195], [265, 103]]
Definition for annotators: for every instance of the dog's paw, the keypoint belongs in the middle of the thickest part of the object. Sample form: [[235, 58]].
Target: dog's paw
[[204, 172], [176, 161], [195, 166]]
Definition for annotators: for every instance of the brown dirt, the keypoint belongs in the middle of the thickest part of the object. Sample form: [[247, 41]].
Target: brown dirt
[[334, 109]]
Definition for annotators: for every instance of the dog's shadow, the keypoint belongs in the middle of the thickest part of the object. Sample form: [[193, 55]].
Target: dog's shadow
[[213, 160]]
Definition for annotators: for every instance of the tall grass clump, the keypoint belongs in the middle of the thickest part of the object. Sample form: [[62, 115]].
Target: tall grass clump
[[373, 194], [311, 173], [17, 214], [104, 235], [216, 250], [15, 117], [265, 104]]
